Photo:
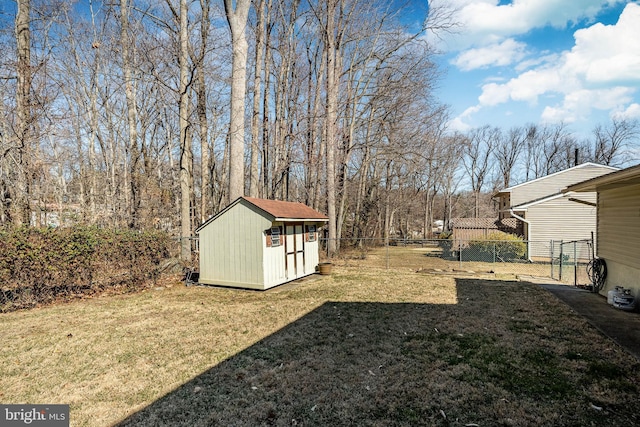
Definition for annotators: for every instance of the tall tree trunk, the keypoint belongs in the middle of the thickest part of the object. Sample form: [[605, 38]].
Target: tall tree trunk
[[318, 129], [237, 19], [388, 214], [132, 117], [266, 133], [254, 169], [185, 140], [202, 114], [331, 124], [21, 192], [92, 144]]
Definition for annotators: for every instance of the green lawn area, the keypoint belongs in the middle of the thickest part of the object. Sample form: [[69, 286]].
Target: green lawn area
[[364, 346]]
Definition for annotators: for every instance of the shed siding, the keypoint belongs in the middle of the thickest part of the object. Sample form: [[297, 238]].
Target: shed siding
[[311, 257], [274, 271], [619, 225], [554, 183], [560, 219], [233, 253]]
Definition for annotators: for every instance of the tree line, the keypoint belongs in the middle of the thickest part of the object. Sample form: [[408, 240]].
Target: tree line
[[157, 114]]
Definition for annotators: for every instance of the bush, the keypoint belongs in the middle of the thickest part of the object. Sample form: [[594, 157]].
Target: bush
[[496, 247], [41, 265], [445, 242]]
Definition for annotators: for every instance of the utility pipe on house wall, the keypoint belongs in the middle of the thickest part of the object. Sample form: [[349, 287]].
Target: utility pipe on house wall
[[518, 217]]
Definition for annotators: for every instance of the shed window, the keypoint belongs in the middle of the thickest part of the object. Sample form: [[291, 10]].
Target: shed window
[[275, 236], [312, 233]]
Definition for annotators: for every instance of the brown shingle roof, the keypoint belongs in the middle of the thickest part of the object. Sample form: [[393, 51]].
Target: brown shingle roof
[[286, 210], [474, 223], [484, 223]]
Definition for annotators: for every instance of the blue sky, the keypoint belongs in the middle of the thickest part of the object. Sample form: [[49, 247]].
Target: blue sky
[[540, 61]]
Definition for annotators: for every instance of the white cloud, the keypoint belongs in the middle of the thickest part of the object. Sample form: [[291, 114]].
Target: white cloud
[[457, 124], [540, 60], [499, 54], [608, 53], [486, 22], [527, 87], [602, 71], [469, 111], [631, 112], [577, 105]]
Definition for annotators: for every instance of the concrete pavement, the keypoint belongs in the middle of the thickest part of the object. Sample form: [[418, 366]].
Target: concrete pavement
[[621, 326]]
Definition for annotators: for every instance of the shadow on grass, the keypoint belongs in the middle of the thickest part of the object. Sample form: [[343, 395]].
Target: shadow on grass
[[476, 361]]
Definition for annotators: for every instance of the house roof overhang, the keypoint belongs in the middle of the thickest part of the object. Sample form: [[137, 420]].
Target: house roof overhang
[[582, 165], [500, 193], [622, 178], [523, 207]]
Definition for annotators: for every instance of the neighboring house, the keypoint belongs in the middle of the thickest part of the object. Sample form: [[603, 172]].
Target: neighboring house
[[258, 244], [618, 225], [547, 213]]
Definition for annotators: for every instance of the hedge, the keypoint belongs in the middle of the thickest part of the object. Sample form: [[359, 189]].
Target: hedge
[[43, 265], [495, 247]]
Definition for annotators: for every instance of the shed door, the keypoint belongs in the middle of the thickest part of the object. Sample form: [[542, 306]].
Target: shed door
[[294, 246]]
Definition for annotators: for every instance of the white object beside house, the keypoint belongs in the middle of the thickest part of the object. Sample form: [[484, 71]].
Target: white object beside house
[[258, 243], [547, 213]]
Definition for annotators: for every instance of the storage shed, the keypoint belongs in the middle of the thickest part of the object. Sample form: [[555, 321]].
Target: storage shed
[[258, 243]]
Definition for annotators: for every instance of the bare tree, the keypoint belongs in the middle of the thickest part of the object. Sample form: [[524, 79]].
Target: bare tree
[[237, 20], [549, 149], [21, 196], [507, 152], [132, 114], [185, 139], [331, 50], [478, 152], [558, 144], [336, 117], [254, 168], [611, 141], [201, 93]]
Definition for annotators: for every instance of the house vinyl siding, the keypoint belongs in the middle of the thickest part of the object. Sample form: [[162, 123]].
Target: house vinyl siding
[[554, 183], [560, 219], [619, 225]]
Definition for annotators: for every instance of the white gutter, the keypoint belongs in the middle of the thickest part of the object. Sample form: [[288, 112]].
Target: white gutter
[[513, 214]]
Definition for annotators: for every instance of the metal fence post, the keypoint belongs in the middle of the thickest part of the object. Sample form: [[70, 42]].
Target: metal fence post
[[494, 252], [387, 245], [460, 252], [551, 255], [561, 259], [575, 265]]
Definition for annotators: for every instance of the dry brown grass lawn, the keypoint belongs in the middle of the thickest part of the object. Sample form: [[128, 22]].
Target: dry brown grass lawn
[[365, 346]]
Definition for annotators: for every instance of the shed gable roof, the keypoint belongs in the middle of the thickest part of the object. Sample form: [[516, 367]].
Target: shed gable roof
[[276, 209], [286, 210]]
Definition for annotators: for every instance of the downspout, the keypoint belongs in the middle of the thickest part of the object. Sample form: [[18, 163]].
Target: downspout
[[513, 214]]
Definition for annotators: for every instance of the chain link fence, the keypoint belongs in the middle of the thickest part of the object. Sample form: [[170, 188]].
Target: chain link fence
[[570, 260], [31, 275], [565, 262]]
